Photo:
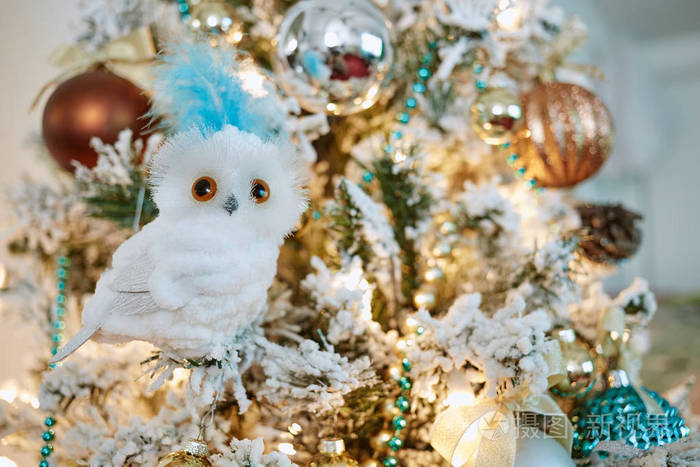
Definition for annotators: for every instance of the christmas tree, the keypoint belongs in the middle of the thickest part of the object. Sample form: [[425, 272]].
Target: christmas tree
[[330, 234]]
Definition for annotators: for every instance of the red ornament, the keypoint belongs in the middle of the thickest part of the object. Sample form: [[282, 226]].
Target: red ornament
[[349, 66], [96, 103]]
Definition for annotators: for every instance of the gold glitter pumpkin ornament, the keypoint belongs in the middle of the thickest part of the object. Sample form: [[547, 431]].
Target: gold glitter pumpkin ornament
[[567, 134], [193, 454]]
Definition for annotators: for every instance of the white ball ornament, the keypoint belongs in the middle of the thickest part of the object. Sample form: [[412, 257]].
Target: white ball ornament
[[333, 56], [541, 450]]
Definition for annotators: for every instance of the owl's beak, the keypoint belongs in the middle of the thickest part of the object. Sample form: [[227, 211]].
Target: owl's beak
[[231, 204]]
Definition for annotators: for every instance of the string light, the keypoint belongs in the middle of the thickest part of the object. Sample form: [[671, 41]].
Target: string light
[[509, 17]]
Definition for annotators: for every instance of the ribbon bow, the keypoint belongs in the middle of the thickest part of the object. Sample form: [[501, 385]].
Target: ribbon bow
[[485, 435], [624, 358], [125, 56]]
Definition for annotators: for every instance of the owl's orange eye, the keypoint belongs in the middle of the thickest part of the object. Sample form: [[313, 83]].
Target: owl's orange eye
[[259, 191], [204, 189]]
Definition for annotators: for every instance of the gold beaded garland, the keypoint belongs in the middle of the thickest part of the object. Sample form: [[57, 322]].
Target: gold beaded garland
[[434, 274], [378, 441], [425, 298]]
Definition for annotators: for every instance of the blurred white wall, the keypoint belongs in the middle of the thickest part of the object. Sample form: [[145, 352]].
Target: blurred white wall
[[650, 53]]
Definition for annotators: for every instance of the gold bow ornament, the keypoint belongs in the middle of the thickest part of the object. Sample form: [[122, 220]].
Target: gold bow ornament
[[621, 358], [485, 435], [130, 56]]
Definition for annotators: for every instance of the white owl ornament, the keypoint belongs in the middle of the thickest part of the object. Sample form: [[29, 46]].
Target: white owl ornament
[[228, 187]]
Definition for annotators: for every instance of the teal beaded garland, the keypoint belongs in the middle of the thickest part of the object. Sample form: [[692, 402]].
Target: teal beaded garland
[[402, 403], [399, 423], [619, 413], [395, 443], [390, 461], [58, 324]]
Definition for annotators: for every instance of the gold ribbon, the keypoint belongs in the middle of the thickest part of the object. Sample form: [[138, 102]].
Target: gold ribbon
[[562, 46], [556, 367], [613, 323], [128, 56], [485, 435]]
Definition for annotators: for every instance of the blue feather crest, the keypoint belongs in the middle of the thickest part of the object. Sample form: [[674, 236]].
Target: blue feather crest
[[198, 86]]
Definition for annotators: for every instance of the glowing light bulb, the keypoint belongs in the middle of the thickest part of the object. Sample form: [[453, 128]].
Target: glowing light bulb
[[509, 19]]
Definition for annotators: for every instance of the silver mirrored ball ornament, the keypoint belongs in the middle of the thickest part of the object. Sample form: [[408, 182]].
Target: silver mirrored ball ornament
[[333, 56]]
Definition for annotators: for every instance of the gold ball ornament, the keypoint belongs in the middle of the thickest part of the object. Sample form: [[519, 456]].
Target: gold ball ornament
[[442, 250], [389, 409], [378, 441], [580, 364], [332, 454], [496, 115], [193, 454], [217, 19], [434, 275], [370, 463], [566, 136]]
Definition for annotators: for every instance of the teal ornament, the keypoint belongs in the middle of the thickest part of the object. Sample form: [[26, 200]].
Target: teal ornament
[[619, 414]]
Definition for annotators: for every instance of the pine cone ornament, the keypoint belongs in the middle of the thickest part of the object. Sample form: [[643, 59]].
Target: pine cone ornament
[[608, 233]]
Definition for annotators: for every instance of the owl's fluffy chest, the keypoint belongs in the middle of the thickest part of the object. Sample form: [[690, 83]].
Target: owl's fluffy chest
[[203, 286]]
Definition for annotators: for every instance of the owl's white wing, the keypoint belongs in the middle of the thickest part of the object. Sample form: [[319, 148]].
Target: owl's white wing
[[122, 290], [131, 294]]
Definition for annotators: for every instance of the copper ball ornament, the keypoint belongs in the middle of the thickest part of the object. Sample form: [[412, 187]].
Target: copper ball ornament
[[566, 136], [93, 104], [496, 115]]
